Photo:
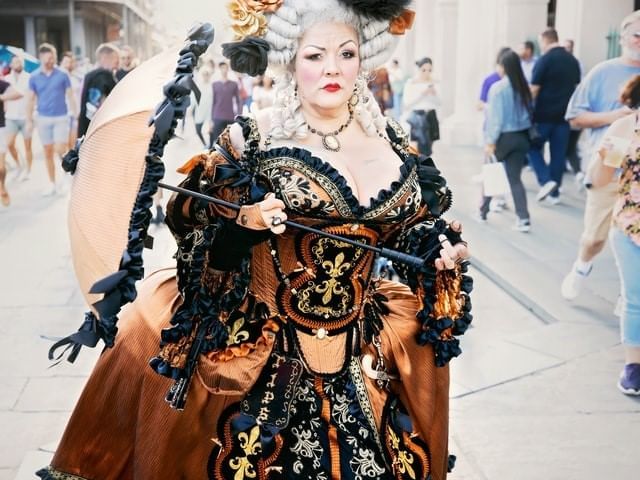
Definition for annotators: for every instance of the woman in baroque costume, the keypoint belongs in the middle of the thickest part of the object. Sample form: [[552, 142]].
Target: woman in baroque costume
[[311, 368]]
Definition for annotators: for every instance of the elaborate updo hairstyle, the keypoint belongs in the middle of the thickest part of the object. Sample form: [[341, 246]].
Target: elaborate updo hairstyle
[[377, 24]]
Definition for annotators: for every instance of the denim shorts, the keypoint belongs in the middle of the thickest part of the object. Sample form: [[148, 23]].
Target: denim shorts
[[18, 126], [53, 129]]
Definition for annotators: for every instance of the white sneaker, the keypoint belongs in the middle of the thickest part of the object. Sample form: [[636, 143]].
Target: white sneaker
[[545, 190], [50, 190], [573, 283], [553, 201], [26, 175], [523, 225]]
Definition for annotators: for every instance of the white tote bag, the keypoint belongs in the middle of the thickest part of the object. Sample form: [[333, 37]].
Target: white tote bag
[[494, 178]]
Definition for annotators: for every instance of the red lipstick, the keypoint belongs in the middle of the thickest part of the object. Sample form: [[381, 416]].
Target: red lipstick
[[332, 87]]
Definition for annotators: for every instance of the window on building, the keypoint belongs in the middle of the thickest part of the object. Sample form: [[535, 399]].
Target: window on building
[[53, 30], [12, 31]]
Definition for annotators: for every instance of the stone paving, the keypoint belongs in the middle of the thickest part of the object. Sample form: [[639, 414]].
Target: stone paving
[[533, 396]]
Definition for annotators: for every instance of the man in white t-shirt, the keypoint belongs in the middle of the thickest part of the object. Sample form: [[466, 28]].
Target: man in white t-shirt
[[528, 59], [16, 117]]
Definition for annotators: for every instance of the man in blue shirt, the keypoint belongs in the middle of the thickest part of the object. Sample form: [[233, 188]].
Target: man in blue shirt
[[594, 106], [48, 88], [554, 80]]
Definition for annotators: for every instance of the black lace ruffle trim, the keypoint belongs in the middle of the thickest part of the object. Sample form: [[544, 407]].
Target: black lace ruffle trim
[[335, 177], [422, 240], [435, 193], [119, 287], [199, 314]]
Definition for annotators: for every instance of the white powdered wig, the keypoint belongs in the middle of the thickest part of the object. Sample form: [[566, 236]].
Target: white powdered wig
[[287, 120], [286, 26]]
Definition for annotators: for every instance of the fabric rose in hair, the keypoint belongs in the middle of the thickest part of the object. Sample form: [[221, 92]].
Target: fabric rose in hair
[[265, 6], [246, 21], [247, 56], [403, 22]]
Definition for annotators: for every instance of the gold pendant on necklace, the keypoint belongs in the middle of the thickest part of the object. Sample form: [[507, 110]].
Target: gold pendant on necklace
[[330, 142]]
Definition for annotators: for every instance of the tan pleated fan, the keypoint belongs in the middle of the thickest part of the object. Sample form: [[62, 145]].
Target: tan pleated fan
[[110, 169]]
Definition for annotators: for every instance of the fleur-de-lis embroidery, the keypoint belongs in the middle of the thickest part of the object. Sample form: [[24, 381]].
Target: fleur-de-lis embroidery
[[402, 462], [334, 270], [250, 445], [236, 335]]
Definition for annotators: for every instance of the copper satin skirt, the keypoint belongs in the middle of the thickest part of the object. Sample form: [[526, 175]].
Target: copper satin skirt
[[122, 428]]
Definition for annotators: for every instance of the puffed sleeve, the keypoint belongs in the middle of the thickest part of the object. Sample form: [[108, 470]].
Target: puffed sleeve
[[214, 253], [444, 303]]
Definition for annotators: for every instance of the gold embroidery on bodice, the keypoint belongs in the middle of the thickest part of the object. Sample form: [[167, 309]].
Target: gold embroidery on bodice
[[328, 291]]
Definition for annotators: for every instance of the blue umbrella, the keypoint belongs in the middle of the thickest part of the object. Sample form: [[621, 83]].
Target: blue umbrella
[[7, 52]]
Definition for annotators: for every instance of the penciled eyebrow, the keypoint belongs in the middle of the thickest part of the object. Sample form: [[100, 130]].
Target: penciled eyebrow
[[324, 49]]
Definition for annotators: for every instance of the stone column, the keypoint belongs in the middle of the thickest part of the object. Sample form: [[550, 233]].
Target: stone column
[[421, 39], [461, 128], [30, 35], [484, 26], [79, 38], [125, 36], [445, 27], [521, 20]]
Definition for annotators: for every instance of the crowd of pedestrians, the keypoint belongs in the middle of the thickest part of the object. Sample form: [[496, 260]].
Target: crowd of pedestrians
[[56, 102], [549, 82], [553, 109]]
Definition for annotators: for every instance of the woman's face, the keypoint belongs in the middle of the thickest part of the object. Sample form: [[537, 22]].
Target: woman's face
[[327, 65], [425, 71]]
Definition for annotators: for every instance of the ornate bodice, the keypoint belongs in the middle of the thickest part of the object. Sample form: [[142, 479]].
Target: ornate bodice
[[311, 187], [323, 283]]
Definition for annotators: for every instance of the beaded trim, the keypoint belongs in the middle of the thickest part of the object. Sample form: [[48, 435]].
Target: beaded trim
[[390, 204], [363, 399], [50, 473]]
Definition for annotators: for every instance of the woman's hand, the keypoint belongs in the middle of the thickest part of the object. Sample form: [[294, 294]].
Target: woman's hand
[[267, 214], [490, 149], [451, 254], [599, 173]]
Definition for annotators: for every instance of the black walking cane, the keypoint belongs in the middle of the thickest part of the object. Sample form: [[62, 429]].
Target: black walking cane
[[394, 255]]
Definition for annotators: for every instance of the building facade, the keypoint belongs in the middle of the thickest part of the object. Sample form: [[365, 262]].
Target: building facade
[[79, 26], [463, 37]]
